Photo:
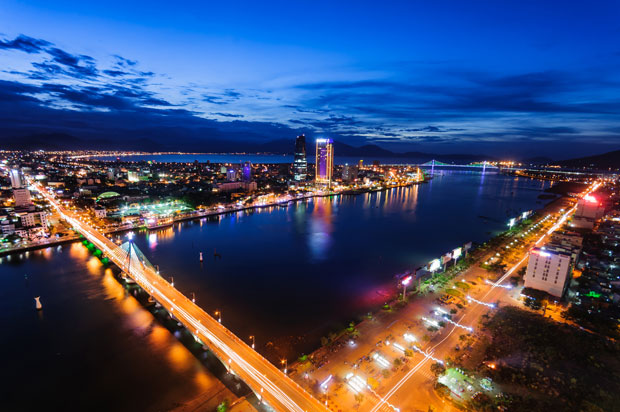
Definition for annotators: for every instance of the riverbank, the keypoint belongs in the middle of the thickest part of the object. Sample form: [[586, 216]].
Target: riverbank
[[388, 347], [198, 215]]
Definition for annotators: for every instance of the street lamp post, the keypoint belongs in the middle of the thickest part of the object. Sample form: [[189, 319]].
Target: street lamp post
[[405, 282], [193, 297], [253, 341], [218, 313], [285, 363], [172, 281]]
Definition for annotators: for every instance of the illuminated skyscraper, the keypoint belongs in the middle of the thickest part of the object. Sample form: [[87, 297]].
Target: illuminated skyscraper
[[17, 179], [300, 164], [324, 161], [349, 173], [246, 168]]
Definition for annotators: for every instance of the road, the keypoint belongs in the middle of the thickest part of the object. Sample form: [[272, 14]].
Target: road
[[414, 384], [270, 384], [409, 387]]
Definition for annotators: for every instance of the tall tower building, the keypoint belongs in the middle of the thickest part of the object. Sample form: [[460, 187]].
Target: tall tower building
[[300, 164], [324, 161], [246, 168], [22, 197], [17, 179]]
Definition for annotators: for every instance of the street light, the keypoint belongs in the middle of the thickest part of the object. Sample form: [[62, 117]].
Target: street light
[[219, 315], [253, 341], [172, 281], [193, 297], [405, 282], [285, 363]]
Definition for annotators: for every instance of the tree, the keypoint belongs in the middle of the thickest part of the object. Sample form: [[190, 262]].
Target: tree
[[359, 398], [442, 390], [222, 407], [438, 369]]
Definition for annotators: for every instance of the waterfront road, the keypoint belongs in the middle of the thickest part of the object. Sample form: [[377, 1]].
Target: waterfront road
[[270, 384], [415, 385]]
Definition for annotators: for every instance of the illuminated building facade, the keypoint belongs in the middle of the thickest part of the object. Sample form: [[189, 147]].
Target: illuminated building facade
[[247, 171], [324, 161], [300, 164], [548, 270], [349, 173], [17, 179], [231, 174], [589, 207], [22, 197]]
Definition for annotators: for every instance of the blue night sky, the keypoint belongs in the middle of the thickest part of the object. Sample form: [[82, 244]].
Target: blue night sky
[[520, 78]]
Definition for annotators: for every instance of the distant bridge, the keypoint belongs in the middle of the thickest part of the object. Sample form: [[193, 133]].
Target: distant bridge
[[480, 165]]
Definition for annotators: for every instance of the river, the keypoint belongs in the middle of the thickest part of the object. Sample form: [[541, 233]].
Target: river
[[287, 275]]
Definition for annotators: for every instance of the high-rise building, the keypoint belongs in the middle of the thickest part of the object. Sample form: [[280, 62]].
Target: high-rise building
[[17, 179], [349, 173], [246, 169], [231, 174], [324, 161], [22, 197], [548, 270], [300, 164]]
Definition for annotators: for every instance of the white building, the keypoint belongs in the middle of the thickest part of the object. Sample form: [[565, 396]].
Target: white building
[[589, 207], [33, 219], [8, 227], [100, 212], [22, 197], [548, 270], [17, 179]]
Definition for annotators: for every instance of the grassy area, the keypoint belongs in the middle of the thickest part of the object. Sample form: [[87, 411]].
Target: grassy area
[[543, 365]]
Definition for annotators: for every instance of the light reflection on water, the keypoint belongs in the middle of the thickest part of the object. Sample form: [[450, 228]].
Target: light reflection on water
[[91, 336], [284, 273], [329, 259]]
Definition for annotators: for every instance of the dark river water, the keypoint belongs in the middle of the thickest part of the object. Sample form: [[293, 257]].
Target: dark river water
[[287, 275]]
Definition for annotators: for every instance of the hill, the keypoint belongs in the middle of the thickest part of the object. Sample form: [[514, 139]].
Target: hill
[[605, 161]]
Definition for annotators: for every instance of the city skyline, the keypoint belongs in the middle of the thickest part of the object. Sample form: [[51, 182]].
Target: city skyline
[[518, 79], [310, 206]]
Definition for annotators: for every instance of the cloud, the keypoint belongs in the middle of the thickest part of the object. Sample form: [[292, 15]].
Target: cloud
[[227, 115], [78, 65], [116, 73], [445, 104], [123, 62], [213, 99], [433, 129], [25, 44]]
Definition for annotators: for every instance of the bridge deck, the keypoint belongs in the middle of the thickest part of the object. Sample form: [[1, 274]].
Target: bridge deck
[[267, 381]]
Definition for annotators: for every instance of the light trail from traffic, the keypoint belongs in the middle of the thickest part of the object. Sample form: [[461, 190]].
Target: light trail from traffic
[[267, 381], [494, 285]]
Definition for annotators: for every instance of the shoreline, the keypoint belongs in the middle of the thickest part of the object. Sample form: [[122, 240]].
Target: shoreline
[[74, 238], [392, 298]]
